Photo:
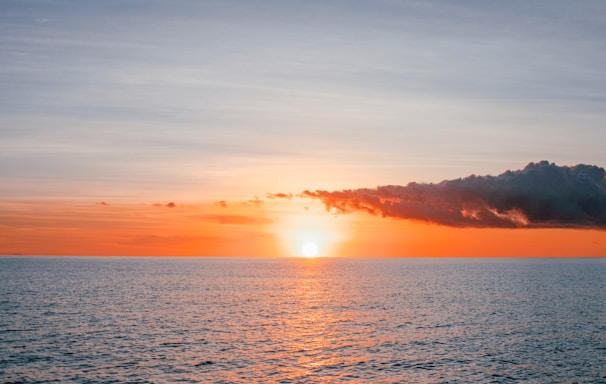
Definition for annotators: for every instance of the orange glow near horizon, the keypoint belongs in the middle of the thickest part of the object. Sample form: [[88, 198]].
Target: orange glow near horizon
[[376, 236], [134, 230], [310, 232], [272, 229]]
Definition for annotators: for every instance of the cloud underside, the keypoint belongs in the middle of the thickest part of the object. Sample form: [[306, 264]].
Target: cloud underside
[[540, 195]]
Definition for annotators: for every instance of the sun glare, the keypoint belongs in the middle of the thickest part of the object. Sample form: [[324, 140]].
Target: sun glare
[[309, 249], [305, 230]]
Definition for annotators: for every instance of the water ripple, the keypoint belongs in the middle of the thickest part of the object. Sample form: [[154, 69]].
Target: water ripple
[[142, 320]]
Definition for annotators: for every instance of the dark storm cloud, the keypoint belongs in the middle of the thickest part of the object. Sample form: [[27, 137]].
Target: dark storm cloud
[[540, 195]]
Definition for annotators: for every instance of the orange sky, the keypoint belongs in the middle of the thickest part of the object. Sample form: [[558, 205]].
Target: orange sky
[[262, 228]]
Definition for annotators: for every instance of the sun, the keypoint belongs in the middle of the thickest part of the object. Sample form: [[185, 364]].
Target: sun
[[309, 249], [303, 229]]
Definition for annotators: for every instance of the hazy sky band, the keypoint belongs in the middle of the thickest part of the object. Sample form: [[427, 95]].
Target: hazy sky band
[[181, 98]]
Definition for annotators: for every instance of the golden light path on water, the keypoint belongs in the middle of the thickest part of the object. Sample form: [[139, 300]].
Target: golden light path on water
[[309, 329]]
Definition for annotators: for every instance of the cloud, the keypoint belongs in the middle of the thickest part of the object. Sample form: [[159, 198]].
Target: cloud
[[103, 203], [540, 195], [168, 205], [256, 202], [279, 196]]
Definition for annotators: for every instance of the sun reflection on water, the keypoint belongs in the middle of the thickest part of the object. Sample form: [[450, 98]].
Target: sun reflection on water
[[312, 332]]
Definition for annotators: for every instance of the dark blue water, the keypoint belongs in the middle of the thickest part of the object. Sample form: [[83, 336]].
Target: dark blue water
[[166, 320]]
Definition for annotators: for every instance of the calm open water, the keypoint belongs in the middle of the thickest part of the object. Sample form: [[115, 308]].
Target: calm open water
[[166, 320]]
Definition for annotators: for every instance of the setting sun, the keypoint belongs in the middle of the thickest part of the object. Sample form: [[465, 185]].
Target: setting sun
[[303, 229], [309, 249]]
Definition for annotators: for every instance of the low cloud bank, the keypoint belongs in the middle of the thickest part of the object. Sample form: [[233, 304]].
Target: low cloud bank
[[540, 195]]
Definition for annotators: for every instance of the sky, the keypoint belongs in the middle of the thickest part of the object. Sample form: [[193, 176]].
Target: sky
[[194, 127]]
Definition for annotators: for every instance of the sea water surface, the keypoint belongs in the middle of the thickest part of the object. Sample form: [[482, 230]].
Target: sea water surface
[[190, 320]]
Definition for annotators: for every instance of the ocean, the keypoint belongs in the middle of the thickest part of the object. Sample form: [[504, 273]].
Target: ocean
[[211, 320]]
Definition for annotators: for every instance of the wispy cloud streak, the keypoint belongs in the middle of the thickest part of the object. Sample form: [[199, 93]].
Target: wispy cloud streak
[[540, 195]]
